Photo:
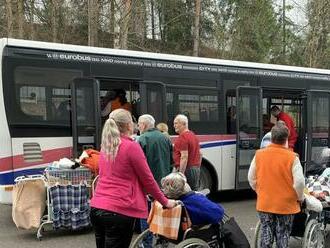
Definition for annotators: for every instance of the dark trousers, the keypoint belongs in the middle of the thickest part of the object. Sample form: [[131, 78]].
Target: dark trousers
[[192, 174], [112, 230]]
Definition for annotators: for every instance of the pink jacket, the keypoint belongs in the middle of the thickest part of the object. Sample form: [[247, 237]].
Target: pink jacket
[[123, 182]]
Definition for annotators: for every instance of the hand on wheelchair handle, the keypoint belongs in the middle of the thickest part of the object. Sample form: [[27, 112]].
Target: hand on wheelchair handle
[[303, 204], [171, 203]]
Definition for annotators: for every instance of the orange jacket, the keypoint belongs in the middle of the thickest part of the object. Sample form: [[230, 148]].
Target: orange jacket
[[92, 161], [274, 186], [116, 104]]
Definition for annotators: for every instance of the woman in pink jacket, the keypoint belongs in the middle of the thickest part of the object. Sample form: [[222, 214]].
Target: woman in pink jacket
[[124, 180]]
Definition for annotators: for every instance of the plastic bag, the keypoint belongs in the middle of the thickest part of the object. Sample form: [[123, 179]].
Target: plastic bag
[[313, 204]]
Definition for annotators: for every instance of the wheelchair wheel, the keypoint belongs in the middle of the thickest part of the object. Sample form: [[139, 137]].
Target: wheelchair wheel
[[192, 242], [139, 239], [257, 236], [314, 235]]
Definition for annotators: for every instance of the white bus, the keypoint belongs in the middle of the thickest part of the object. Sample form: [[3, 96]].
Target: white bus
[[50, 98]]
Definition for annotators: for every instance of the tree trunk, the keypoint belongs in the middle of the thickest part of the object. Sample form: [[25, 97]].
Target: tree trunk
[[152, 5], [20, 19], [32, 29], [124, 27], [112, 23], [93, 22], [54, 6], [196, 27], [9, 12]]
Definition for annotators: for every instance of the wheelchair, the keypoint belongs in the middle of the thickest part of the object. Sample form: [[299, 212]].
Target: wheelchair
[[206, 236], [308, 226]]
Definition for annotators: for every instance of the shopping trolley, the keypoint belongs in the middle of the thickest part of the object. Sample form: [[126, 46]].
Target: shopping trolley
[[61, 178]]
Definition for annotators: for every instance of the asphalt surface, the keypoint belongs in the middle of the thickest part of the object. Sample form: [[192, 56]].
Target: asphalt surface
[[240, 205]]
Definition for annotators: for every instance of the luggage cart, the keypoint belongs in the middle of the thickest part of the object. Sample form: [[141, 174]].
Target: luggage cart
[[62, 177]]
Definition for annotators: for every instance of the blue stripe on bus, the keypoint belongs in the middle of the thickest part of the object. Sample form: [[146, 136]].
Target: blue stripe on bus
[[220, 143], [8, 178]]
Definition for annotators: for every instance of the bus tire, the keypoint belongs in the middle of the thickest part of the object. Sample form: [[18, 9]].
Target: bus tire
[[205, 179]]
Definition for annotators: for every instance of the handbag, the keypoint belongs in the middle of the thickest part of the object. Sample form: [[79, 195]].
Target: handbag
[[232, 234]]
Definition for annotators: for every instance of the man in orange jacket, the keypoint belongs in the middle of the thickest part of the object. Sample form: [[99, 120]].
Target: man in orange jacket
[[276, 175]]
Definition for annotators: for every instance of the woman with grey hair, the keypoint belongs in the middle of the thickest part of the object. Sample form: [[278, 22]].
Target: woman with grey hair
[[201, 210], [124, 180]]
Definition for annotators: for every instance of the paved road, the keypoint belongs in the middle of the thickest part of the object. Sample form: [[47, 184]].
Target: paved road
[[10, 237]]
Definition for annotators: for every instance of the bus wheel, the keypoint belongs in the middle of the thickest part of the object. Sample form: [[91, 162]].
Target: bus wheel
[[205, 179]]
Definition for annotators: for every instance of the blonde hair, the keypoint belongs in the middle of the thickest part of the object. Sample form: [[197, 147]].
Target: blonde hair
[[175, 185], [162, 127], [113, 128]]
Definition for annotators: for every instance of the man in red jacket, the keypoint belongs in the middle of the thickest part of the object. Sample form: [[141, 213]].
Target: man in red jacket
[[280, 115]]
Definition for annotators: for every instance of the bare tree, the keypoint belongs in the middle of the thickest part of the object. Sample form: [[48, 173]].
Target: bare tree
[[126, 13], [20, 19], [319, 30], [31, 19], [137, 24], [112, 23], [93, 22], [196, 27], [54, 10], [152, 10], [9, 16]]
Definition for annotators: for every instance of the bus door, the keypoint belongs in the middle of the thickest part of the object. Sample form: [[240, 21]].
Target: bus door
[[153, 100], [249, 130], [85, 115], [318, 126]]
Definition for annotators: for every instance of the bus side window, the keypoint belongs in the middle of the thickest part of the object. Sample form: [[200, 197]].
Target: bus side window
[[200, 107], [231, 120]]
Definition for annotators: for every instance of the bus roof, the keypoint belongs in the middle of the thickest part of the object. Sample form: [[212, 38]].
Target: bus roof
[[150, 55]]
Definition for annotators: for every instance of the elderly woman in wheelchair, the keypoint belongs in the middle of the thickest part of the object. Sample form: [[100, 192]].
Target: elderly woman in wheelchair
[[195, 222]]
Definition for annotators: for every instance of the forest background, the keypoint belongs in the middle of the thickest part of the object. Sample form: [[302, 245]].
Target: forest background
[[248, 30]]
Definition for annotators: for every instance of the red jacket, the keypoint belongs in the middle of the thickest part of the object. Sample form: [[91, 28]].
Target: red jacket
[[290, 124]]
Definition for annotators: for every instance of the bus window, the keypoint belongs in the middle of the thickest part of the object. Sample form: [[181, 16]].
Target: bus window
[[108, 91], [200, 106], [43, 95], [33, 101]]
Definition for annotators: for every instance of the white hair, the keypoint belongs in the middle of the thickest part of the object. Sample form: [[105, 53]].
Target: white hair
[[148, 120], [175, 185], [183, 119]]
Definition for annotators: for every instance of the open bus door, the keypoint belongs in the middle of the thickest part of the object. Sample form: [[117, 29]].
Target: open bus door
[[318, 125], [153, 100], [85, 115], [249, 130]]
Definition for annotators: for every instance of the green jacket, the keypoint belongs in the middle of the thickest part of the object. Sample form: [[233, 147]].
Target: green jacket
[[158, 150]]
